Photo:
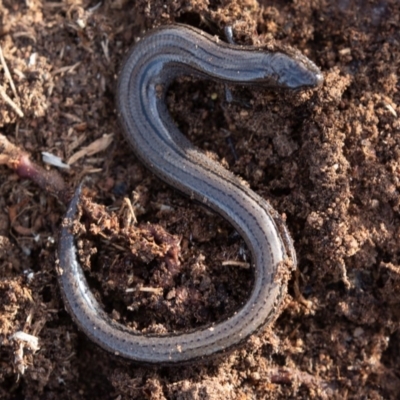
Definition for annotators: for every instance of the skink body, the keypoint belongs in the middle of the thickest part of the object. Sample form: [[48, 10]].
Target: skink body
[[153, 63]]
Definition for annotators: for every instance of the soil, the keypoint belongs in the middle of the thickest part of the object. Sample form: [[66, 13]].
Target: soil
[[328, 160]]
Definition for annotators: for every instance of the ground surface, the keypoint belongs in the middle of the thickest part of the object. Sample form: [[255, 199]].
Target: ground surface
[[328, 160]]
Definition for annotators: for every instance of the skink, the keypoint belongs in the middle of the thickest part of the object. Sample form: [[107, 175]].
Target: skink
[[153, 63]]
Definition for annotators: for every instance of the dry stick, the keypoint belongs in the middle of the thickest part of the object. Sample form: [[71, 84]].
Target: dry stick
[[7, 73], [67, 68], [235, 263], [14, 106], [3, 93]]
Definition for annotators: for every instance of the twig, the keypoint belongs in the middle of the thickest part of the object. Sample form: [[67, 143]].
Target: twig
[[7, 73], [5, 97], [234, 263], [68, 68]]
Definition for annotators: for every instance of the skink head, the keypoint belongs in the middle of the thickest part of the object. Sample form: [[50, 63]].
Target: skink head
[[294, 71]]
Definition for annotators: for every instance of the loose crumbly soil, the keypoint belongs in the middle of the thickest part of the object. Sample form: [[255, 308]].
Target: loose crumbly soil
[[328, 160]]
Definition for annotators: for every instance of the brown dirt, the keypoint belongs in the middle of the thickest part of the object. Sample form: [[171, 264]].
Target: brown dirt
[[329, 160]]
